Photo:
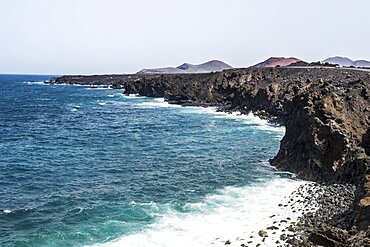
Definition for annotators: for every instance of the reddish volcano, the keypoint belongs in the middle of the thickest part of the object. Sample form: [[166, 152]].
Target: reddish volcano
[[277, 61]]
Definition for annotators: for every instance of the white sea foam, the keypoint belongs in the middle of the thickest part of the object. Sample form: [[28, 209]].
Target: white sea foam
[[35, 83], [157, 102], [7, 211], [132, 96], [73, 84], [253, 120], [66, 84], [233, 214], [99, 88], [250, 119], [135, 95], [74, 108]]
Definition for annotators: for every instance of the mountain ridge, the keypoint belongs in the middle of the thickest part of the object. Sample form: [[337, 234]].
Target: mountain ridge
[[345, 61], [187, 68]]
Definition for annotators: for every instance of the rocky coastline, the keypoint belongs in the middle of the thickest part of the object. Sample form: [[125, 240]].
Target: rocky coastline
[[317, 207], [326, 112]]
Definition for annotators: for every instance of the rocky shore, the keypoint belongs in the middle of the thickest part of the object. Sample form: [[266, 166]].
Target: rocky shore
[[314, 210], [326, 112], [326, 209]]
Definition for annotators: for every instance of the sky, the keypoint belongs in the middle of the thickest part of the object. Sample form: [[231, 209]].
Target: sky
[[121, 36]]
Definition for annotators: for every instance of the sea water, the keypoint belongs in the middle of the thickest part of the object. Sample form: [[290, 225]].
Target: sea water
[[84, 166]]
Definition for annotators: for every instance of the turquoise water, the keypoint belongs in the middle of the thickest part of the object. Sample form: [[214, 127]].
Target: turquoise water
[[83, 166]]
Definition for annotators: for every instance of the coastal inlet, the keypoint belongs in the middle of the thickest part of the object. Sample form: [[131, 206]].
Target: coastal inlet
[[86, 166]]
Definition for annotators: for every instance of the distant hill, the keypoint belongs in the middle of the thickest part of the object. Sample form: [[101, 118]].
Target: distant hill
[[344, 61], [188, 68], [277, 61], [361, 63]]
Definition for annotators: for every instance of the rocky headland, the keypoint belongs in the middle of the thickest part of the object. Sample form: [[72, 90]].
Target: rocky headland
[[326, 112]]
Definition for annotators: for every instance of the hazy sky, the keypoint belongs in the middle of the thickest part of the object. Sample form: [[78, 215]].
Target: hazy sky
[[120, 36]]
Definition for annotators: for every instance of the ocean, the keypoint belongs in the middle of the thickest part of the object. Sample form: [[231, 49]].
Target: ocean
[[85, 166]]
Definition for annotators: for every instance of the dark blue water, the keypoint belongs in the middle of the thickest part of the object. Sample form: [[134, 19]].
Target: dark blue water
[[81, 166]]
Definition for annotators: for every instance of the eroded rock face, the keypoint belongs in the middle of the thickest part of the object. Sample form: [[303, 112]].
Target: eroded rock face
[[362, 216]]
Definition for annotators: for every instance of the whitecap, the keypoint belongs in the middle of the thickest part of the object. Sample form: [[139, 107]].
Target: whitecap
[[35, 82], [7, 211], [249, 119], [99, 88], [133, 96], [157, 102]]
